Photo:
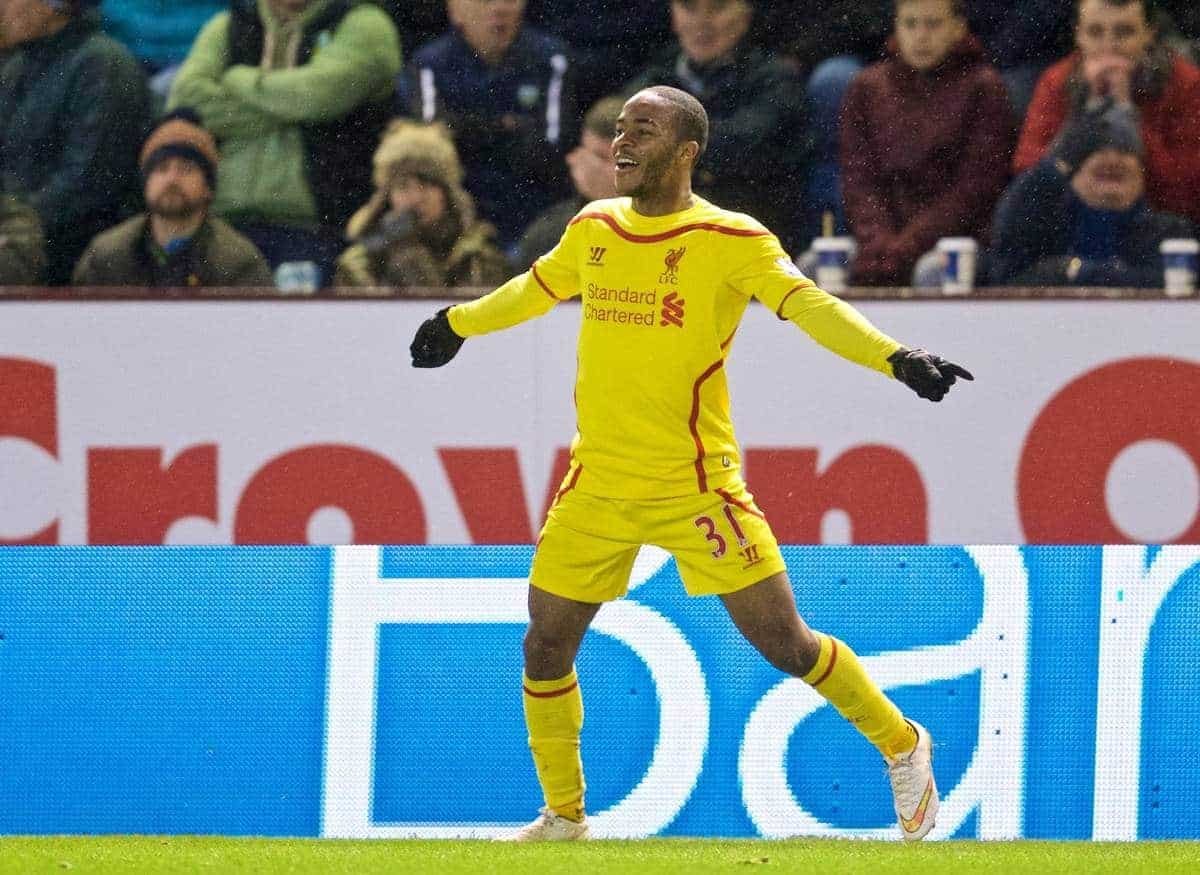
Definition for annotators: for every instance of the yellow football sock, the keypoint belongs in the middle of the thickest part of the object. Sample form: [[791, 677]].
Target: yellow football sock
[[554, 717], [840, 678]]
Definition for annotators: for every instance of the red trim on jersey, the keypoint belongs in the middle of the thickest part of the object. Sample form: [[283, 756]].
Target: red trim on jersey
[[791, 291], [741, 505], [552, 694], [570, 485], [729, 338], [701, 477], [832, 663], [545, 288], [667, 235]]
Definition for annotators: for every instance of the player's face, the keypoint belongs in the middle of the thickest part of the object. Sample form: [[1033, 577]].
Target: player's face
[[709, 29], [1104, 29], [644, 149], [490, 26], [1110, 180], [926, 32]]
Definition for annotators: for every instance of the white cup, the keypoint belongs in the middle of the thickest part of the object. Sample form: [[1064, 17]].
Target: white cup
[[1179, 266], [833, 262], [959, 255]]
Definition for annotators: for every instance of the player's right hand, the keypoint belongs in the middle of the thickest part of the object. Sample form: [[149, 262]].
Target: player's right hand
[[435, 342], [929, 375]]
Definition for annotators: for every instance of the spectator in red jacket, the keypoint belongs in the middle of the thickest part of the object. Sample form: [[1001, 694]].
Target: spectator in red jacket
[[1120, 57], [925, 143]]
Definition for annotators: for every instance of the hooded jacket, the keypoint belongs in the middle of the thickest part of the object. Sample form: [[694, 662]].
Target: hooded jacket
[[1169, 103], [924, 155]]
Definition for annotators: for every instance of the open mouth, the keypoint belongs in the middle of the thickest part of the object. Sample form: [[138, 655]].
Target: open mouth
[[625, 163]]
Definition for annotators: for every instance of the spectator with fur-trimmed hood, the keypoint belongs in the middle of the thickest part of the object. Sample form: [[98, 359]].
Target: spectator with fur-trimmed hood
[[420, 226]]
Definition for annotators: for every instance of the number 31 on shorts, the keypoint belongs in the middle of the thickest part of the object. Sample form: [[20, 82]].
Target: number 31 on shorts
[[709, 528]]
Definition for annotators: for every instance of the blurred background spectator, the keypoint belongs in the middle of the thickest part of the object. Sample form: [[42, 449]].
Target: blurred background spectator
[[1021, 38], [505, 89], [418, 21], [926, 142], [73, 110], [420, 228], [591, 167], [757, 152], [176, 243], [22, 252], [1079, 216], [1119, 56], [609, 42], [297, 92]]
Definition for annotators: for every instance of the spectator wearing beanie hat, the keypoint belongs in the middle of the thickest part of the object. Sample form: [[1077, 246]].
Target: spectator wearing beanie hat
[[420, 226], [176, 243], [73, 108], [1079, 216]]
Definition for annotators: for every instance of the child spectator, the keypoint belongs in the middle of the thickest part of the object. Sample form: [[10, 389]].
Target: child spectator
[[1119, 55]]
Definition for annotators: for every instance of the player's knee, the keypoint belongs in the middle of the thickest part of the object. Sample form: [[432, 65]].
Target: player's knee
[[545, 645]]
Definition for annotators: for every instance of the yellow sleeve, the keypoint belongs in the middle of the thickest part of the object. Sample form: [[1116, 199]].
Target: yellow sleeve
[[554, 277], [768, 274]]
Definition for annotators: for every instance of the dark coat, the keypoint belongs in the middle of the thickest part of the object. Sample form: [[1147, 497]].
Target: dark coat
[[1034, 230], [512, 123], [757, 154], [217, 256], [74, 109], [545, 231], [924, 156]]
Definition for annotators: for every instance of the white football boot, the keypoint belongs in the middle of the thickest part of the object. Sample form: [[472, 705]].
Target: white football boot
[[913, 789], [549, 827]]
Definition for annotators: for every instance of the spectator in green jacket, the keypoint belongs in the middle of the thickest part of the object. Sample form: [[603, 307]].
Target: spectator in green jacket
[[22, 252], [175, 243], [74, 108], [297, 92]]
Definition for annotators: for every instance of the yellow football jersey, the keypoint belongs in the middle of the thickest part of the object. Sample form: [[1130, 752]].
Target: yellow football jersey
[[661, 300]]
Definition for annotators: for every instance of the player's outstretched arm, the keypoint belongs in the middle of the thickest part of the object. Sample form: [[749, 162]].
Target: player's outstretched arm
[[929, 375], [435, 342]]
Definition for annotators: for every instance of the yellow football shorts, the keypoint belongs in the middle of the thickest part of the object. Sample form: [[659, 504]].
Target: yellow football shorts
[[720, 540]]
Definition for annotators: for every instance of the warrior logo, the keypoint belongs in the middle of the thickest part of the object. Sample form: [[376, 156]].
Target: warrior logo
[[672, 309], [597, 255], [671, 274]]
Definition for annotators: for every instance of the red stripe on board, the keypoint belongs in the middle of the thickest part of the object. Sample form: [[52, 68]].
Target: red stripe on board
[[701, 477], [667, 235], [550, 695], [832, 663], [791, 292], [545, 288], [741, 505]]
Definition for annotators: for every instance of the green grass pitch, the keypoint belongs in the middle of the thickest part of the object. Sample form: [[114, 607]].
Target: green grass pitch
[[121, 854]]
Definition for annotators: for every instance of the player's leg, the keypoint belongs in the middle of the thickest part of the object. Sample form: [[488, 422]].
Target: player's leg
[[574, 572], [766, 615]]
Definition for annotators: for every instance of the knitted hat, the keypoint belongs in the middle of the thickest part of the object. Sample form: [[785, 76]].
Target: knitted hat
[[180, 135], [424, 151]]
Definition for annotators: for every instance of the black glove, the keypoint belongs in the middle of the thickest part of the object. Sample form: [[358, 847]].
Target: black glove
[[435, 343], [929, 375]]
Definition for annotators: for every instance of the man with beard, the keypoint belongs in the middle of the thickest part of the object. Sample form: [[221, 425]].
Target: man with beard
[[655, 460], [175, 243]]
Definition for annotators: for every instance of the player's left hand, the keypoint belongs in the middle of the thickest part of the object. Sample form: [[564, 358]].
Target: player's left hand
[[929, 375], [436, 342]]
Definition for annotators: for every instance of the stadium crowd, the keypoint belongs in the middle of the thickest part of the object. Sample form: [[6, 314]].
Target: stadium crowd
[[340, 144]]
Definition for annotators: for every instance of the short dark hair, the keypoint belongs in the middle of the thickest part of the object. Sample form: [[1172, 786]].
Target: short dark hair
[[958, 8], [1149, 8], [691, 121]]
